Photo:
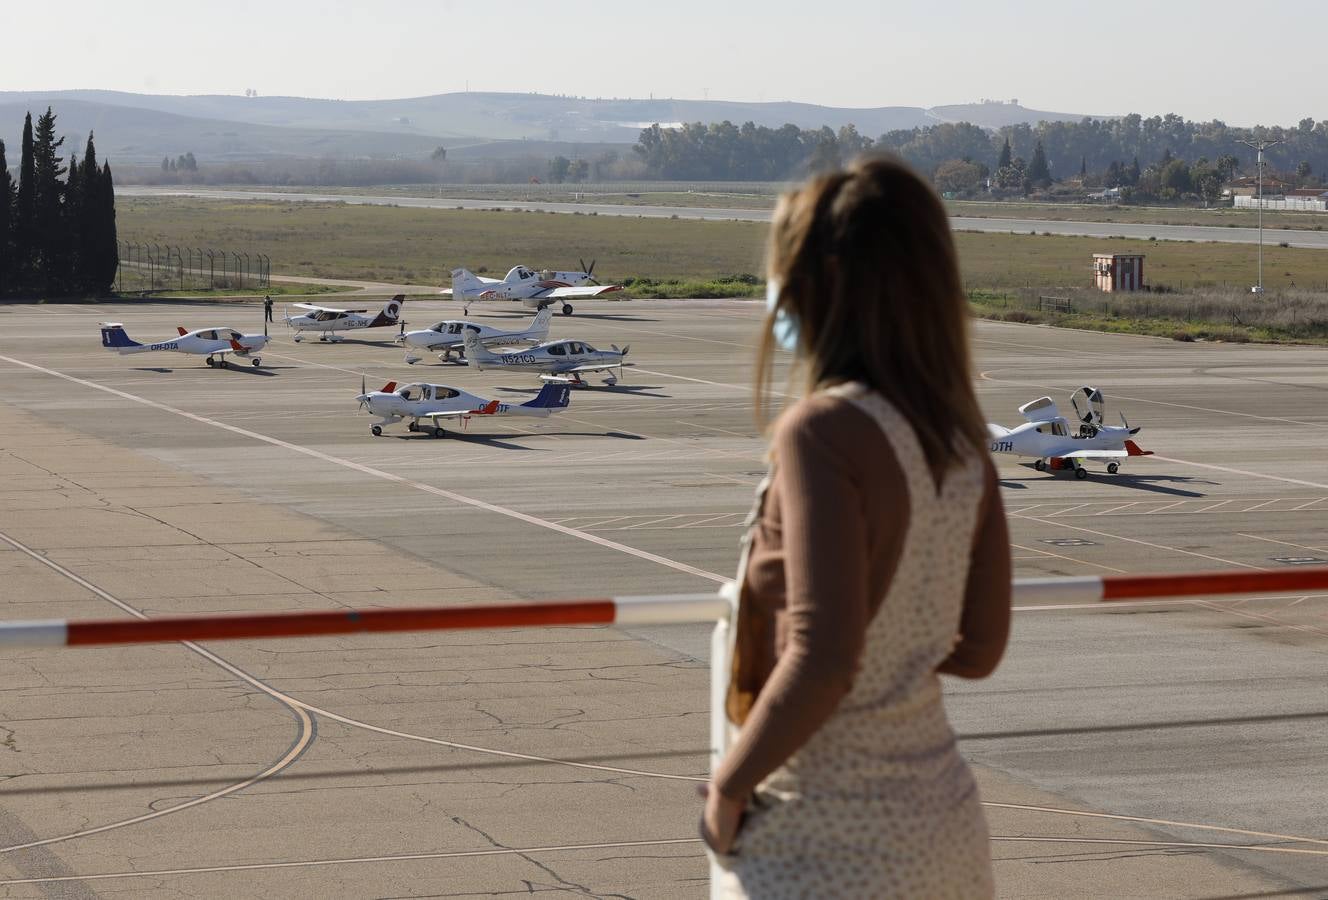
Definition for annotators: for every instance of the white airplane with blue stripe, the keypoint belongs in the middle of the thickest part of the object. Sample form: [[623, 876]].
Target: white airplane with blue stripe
[[214, 343], [438, 402]]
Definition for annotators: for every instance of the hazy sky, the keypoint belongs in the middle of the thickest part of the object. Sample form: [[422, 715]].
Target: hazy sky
[[1194, 58]]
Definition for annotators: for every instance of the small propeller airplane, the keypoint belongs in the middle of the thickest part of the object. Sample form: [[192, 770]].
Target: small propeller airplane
[[438, 402], [447, 337], [214, 343], [557, 362], [1047, 437], [327, 321], [535, 289]]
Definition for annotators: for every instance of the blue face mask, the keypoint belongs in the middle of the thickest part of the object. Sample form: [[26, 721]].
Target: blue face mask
[[785, 328]]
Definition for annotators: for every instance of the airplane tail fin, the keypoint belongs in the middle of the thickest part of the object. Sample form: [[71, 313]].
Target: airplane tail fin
[[551, 396], [466, 283], [1134, 450], [113, 337], [476, 353], [539, 328], [391, 312]]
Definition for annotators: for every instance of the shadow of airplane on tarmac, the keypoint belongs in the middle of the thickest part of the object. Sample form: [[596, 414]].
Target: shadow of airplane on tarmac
[[1153, 484]]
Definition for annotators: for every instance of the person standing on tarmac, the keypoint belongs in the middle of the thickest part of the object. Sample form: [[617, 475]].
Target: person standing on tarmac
[[267, 308]]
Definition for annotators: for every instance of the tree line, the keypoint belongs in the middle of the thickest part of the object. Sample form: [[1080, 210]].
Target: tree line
[[57, 222], [1187, 158]]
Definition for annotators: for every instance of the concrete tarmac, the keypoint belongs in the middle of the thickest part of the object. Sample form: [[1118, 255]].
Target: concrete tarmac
[[1116, 746]]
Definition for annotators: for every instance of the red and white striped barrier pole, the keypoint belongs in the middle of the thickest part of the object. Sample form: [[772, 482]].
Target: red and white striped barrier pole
[[649, 610], [663, 609]]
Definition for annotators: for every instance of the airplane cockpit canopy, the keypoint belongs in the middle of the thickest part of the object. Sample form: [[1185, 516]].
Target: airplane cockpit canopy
[[1089, 404], [410, 392], [518, 273]]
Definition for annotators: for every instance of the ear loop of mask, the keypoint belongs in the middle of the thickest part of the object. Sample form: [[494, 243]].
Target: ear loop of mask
[[785, 327]]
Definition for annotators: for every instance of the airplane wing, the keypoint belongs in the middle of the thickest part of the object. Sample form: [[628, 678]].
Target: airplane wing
[[1043, 409], [591, 367], [448, 414], [326, 308], [584, 291]]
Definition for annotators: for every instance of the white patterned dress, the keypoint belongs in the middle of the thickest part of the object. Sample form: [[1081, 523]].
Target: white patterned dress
[[879, 803]]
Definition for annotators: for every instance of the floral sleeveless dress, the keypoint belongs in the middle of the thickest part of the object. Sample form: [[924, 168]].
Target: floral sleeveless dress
[[879, 803]]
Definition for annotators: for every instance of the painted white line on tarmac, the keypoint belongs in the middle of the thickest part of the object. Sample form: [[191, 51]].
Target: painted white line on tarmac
[[1259, 537], [1185, 462], [386, 476], [1142, 543]]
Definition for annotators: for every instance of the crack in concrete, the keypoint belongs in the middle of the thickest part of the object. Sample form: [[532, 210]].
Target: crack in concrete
[[530, 885]]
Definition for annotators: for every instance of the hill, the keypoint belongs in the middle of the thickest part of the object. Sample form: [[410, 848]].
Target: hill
[[219, 127]]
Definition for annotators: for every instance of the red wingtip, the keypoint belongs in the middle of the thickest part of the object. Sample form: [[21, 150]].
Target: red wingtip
[[1133, 449], [180, 328], [389, 387]]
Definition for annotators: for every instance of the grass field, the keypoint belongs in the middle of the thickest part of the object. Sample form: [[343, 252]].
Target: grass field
[[380, 243], [423, 246]]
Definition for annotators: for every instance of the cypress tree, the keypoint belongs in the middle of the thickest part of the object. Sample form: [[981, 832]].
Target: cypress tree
[[1006, 156], [74, 214], [105, 252], [6, 217], [89, 220], [1039, 173], [22, 227], [50, 237]]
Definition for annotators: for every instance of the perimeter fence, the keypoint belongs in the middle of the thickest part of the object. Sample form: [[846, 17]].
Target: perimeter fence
[[145, 268]]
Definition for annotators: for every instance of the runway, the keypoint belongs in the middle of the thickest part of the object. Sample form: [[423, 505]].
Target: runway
[[1292, 237], [1116, 746]]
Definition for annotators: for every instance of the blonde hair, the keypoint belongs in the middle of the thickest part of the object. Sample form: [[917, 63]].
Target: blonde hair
[[866, 265]]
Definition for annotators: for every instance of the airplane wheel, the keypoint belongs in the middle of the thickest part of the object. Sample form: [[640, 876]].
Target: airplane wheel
[[1039, 465], [567, 309], [1081, 474], [256, 362], [211, 362], [1113, 468], [297, 339], [376, 431], [412, 427], [224, 364], [438, 432]]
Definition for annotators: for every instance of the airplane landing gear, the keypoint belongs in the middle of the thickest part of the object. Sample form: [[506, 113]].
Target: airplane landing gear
[[1113, 468], [256, 362], [376, 430], [1080, 473], [297, 337], [567, 309], [211, 362], [438, 432], [413, 426], [1039, 465]]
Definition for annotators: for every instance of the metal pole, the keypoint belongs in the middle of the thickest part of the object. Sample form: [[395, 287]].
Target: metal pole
[[1259, 147]]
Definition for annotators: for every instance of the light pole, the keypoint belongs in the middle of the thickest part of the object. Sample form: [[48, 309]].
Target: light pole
[[1259, 147]]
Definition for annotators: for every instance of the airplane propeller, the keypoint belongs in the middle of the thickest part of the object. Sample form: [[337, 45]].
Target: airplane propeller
[[364, 392], [589, 272]]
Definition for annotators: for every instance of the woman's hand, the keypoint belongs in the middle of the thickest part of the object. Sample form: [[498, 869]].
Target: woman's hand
[[721, 819]]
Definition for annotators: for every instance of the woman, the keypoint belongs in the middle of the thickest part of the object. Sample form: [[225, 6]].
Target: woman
[[879, 557]]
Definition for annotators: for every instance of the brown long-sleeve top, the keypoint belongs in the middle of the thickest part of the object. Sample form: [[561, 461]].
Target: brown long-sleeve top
[[823, 552]]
